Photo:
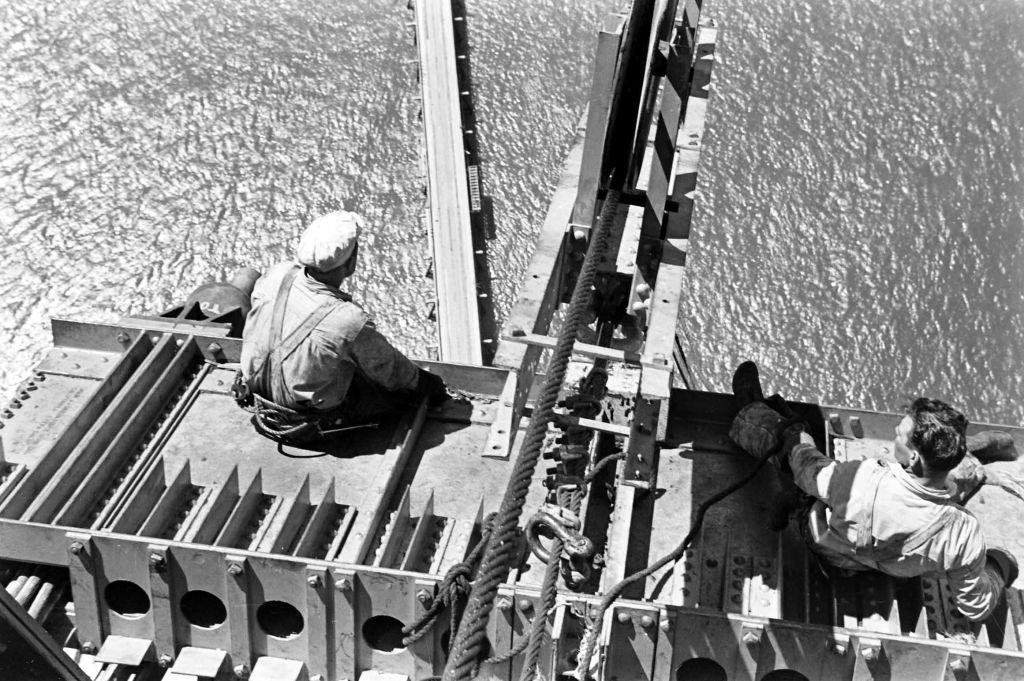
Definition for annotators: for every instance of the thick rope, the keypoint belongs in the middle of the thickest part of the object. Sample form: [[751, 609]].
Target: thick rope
[[501, 549], [539, 630], [594, 628], [602, 464], [573, 501]]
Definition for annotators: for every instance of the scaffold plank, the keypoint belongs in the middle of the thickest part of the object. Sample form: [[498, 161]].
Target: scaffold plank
[[448, 186]]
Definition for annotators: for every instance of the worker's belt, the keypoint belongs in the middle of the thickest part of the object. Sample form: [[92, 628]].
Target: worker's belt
[[289, 426]]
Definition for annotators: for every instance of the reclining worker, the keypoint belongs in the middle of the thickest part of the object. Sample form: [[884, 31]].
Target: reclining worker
[[311, 358], [898, 518]]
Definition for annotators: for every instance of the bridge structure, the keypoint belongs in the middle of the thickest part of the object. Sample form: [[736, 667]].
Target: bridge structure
[[147, 531]]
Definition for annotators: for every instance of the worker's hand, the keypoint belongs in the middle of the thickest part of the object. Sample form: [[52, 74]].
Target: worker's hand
[[761, 431], [432, 387], [1002, 563]]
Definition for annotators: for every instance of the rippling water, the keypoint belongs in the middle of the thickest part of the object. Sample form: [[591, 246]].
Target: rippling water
[[148, 147], [860, 217], [860, 211]]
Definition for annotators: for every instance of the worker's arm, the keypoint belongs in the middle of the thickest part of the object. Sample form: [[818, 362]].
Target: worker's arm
[[381, 362], [976, 584], [812, 470]]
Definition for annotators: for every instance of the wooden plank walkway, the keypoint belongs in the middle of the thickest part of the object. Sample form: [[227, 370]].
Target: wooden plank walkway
[[448, 189]]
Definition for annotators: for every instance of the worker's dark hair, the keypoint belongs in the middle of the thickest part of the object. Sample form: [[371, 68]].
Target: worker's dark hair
[[939, 433]]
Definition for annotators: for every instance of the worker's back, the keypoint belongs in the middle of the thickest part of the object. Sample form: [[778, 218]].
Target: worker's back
[[879, 517], [317, 372]]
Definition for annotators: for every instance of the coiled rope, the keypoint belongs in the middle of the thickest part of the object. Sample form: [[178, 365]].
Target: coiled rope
[[501, 548]]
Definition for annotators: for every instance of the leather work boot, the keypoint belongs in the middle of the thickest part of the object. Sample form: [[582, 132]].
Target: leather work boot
[[746, 384], [992, 445]]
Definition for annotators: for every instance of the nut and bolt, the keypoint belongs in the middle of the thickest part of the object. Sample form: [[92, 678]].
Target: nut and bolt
[[838, 647], [123, 338], [751, 638], [958, 666], [313, 581], [241, 671], [525, 605], [623, 617], [504, 603], [646, 621], [157, 563], [665, 624], [869, 653], [76, 548], [165, 661], [235, 569], [342, 584], [89, 648], [423, 596]]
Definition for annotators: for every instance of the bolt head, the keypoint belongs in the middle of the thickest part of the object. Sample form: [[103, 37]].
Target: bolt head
[[342, 584], [665, 624], [165, 661], [241, 671], [235, 569], [623, 617], [646, 621], [122, 337], [838, 647], [313, 581], [958, 666], [156, 562], [89, 648], [751, 638], [423, 596], [76, 548], [504, 603], [525, 604], [869, 653]]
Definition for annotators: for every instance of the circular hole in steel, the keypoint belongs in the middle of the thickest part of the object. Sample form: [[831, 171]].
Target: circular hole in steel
[[383, 633], [701, 669], [126, 599], [784, 675], [446, 644], [203, 609], [279, 619]]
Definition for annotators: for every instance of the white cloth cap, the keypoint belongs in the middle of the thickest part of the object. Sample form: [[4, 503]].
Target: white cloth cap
[[329, 240]]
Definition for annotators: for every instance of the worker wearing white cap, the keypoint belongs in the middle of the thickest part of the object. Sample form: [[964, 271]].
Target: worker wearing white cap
[[311, 356]]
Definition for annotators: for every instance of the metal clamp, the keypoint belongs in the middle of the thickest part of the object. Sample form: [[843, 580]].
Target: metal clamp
[[565, 525]]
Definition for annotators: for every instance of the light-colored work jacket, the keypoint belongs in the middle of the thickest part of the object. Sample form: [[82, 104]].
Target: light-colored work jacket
[[872, 514], [324, 339]]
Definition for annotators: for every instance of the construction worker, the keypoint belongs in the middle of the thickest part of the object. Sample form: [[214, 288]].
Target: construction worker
[[898, 517], [312, 361]]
